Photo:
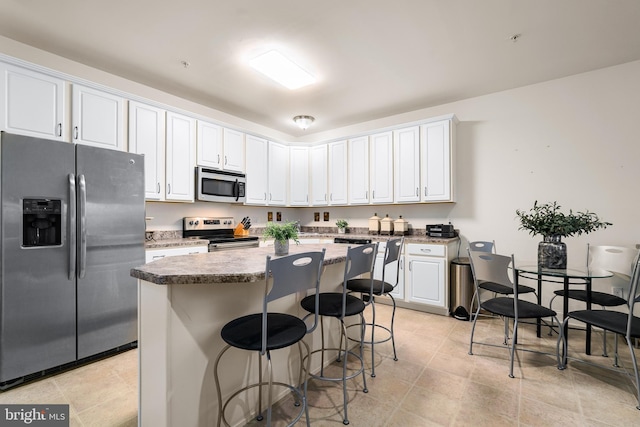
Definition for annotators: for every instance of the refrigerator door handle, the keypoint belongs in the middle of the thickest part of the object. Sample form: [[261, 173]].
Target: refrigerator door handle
[[82, 208], [71, 225]]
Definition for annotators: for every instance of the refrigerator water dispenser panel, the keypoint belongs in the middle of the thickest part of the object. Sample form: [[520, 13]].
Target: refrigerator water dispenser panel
[[41, 222]]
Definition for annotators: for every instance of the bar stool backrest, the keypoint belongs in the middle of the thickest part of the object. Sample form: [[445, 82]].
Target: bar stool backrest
[[289, 275], [392, 254], [360, 260]]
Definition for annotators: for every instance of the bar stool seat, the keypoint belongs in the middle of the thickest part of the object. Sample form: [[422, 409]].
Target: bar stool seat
[[331, 304], [283, 330]]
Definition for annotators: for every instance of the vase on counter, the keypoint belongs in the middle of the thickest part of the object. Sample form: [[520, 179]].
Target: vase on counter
[[341, 230], [552, 253], [281, 247]]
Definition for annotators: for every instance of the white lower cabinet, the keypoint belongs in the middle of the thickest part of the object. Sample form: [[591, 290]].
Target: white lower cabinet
[[427, 276], [155, 254]]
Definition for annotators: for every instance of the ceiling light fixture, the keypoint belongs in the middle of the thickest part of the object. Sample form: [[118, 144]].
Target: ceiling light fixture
[[303, 122], [278, 67]]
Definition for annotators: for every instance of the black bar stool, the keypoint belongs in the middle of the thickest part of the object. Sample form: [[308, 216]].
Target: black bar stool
[[360, 260], [267, 331]]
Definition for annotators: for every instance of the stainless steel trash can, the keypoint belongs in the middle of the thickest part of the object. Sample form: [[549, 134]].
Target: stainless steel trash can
[[461, 288]]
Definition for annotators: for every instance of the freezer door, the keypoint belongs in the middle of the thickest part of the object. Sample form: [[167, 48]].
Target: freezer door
[[38, 296], [110, 243]]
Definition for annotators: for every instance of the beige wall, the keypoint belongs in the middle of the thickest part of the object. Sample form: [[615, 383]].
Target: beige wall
[[573, 140]]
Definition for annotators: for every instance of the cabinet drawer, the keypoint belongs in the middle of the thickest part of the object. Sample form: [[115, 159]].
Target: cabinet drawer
[[426, 249]]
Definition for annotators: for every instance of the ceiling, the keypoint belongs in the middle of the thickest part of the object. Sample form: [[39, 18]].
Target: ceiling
[[372, 58]]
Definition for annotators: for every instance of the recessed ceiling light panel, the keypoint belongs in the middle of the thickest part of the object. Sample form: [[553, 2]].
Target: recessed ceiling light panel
[[278, 67]]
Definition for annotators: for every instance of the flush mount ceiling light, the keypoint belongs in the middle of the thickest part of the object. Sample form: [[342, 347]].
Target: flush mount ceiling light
[[278, 67], [303, 122]]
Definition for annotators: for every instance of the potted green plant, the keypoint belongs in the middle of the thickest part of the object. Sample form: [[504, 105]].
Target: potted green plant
[[281, 234], [548, 221], [342, 225]]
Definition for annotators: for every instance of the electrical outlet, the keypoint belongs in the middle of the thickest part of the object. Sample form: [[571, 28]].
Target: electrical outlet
[[617, 292]]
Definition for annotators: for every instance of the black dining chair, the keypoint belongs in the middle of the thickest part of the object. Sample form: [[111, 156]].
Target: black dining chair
[[620, 323], [489, 267], [616, 259]]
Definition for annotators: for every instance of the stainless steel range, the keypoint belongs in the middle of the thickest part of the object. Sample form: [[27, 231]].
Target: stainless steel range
[[219, 231]]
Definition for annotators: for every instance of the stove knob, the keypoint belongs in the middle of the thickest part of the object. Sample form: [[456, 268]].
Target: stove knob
[[190, 222], [197, 222]]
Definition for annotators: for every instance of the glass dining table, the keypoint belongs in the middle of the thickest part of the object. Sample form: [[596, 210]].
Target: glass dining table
[[567, 277]]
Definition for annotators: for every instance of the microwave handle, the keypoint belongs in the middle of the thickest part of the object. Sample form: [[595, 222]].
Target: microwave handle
[[236, 190]]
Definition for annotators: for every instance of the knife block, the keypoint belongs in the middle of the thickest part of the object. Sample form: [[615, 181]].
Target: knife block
[[240, 231]]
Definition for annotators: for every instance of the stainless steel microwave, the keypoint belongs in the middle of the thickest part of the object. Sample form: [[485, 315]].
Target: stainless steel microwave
[[220, 186]]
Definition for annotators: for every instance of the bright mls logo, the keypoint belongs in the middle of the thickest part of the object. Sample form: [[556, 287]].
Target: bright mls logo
[[34, 415]]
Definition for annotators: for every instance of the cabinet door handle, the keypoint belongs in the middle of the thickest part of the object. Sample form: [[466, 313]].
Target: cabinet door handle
[[158, 188], [265, 196], [331, 197], [59, 129], [225, 160], [425, 191], [158, 256], [427, 251], [168, 188], [325, 197], [218, 158], [75, 132], [417, 192], [410, 262]]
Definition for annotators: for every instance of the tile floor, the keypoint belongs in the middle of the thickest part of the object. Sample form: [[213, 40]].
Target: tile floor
[[434, 383]]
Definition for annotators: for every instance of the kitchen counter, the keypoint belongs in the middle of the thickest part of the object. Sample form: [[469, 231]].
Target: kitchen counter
[[237, 266], [418, 238], [174, 243]]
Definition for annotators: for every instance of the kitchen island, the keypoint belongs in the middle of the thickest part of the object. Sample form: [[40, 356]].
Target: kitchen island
[[184, 301]]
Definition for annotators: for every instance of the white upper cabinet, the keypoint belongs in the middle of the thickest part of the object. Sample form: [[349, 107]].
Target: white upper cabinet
[[147, 136], [181, 157], [220, 148], [406, 149], [257, 177], [299, 176], [233, 143], [97, 118], [278, 173], [338, 173], [359, 170], [31, 103], [319, 168], [436, 148], [381, 167], [209, 145]]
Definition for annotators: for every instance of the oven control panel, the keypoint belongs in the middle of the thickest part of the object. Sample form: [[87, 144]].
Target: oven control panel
[[207, 223]]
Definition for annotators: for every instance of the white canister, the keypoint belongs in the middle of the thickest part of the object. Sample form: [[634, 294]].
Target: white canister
[[386, 225], [400, 227], [374, 224]]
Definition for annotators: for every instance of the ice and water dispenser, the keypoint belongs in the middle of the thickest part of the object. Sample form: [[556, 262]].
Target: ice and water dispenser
[[41, 222]]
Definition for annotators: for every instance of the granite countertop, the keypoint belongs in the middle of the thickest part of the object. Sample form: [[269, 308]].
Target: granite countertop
[[175, 243], [178, 242], [236, 266]]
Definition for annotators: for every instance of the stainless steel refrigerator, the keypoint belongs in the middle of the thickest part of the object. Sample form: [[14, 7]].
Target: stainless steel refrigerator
[[72, 227]]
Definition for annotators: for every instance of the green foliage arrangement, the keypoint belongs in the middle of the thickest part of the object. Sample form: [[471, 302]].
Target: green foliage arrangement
[[281, 232], [547, 220], [342, 223]]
